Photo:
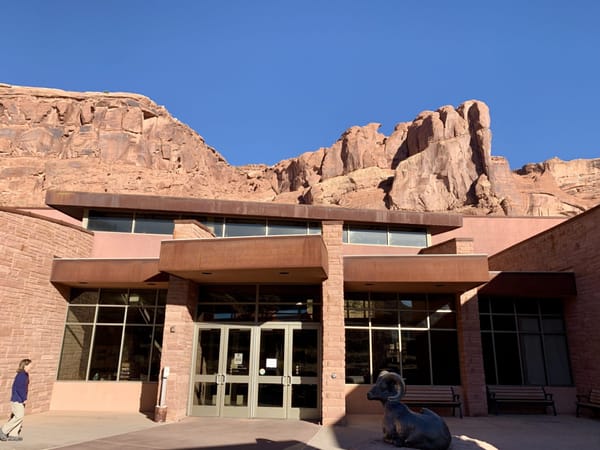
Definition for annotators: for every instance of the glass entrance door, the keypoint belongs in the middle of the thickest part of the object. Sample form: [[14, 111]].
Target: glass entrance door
[[268, 371], [287, 385], [221, 378]]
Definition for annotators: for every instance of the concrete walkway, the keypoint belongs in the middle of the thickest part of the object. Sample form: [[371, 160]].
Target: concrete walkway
[[89, 431]]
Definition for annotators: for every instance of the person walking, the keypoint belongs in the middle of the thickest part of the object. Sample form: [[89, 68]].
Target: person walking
[[20, 387]]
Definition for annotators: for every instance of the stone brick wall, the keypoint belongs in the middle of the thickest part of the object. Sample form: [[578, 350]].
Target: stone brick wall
[[178, 341], [33, 310], [472, 373], [333, 401], [191, 229], [571, 246], [454, 246]]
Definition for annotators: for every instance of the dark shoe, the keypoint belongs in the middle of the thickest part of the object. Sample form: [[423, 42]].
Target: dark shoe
[[14, 438], [3, 437]]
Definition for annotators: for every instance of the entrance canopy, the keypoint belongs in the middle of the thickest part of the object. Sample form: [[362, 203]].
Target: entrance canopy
[[107, 273], [265, 259], [531, 284], [415, 273]]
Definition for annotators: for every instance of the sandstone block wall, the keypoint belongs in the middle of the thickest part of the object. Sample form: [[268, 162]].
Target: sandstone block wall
[[472, 373], [572, 246], [178, 342], [33, 310], [333, 379]]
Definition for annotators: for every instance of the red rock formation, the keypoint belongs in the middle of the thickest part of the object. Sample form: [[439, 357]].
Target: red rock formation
[[117, 142]]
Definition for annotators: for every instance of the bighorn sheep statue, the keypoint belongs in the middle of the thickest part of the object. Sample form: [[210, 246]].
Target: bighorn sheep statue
[[403, 427]]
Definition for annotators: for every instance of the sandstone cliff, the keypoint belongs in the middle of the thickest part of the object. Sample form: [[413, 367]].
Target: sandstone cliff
[[119, 142]]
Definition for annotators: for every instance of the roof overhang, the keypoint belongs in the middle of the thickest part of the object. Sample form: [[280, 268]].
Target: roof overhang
[[531, 284], [415, 273], [107, 273], [75, 203], [274, 259]]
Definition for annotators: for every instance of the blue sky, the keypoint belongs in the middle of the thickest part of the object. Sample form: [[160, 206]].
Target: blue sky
[[268, 80]]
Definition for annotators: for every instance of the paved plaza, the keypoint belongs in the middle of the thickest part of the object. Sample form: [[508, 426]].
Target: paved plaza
[[89, 431]]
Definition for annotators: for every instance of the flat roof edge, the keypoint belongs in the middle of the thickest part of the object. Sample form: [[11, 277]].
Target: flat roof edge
[[74, 203]]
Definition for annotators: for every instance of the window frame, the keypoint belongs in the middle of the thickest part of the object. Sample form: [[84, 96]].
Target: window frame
[[91, 347]]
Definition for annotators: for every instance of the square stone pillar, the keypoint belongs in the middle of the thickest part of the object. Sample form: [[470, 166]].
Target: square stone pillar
[[472, 372], [333, 400], [177, 349]]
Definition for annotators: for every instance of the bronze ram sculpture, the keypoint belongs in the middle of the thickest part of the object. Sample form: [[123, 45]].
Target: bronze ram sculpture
[[403, 427]]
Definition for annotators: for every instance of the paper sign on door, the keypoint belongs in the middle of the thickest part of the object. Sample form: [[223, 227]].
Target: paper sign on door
[[238, 358], [271, 363]]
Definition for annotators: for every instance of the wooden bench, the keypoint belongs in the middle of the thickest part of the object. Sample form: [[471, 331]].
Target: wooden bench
[[519, 396], [432, 397], [592, 401]]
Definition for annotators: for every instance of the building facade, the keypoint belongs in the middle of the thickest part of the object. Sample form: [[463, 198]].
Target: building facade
[[242, 309]]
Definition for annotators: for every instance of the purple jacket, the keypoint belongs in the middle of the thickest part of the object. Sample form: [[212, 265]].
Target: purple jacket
[[20, 387]]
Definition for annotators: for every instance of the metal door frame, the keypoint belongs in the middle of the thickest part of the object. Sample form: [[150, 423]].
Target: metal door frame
[[221, 378]]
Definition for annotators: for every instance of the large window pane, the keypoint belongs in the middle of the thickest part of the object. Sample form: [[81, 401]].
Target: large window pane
[[441, 302], [557, 360], [105, 352], [386, 351], [504, 323], [367, 235], [408, 238], [305, 396], [207, 354], [140, 315], [314, 228], [154, 224], [507, 356], [502, 306], [136, 353], [84, 297], [238, 356], [81, 314], [532, 359], [529, 324], [243, 227], [142, 298], [277, 228], [111, 314], [413, 302], [415, 357], [113, 297], [384, 317], [75, 352], [553, 325], [413, 319], [489, 360], [110, 221], [228, 294], [444, 357], [357, 356], [442, 320], [304, 359], [156, 353]]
